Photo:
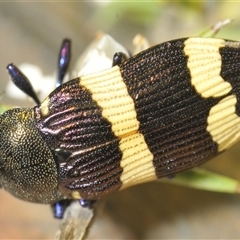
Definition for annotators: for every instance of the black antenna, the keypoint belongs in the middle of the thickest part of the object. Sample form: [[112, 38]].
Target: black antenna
[[23, 83]]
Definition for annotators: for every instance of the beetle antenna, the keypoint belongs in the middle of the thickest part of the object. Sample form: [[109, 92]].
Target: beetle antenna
[[63, 60], [22, 82]]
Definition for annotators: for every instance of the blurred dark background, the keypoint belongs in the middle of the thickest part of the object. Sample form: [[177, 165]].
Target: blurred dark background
[[32, 32]]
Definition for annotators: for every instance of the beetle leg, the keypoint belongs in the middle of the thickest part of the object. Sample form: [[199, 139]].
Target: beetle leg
[[63, 60], [86, 203], [22, 82], [118, 58], [61, 154], [59, 208]]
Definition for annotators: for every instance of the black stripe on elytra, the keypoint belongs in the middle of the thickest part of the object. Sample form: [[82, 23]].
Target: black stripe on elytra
[[231, 70], [75, 123], [172, 115]]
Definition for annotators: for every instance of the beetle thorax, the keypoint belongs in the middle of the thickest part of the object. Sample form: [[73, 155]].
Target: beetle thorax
[[27, 166]]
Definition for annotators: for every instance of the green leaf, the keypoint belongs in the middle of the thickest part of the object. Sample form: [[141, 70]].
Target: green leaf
[[4, 108], [211, 32], [206, 180]]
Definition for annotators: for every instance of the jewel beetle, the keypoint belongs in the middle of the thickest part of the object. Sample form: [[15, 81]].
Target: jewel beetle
[[160, 112]]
